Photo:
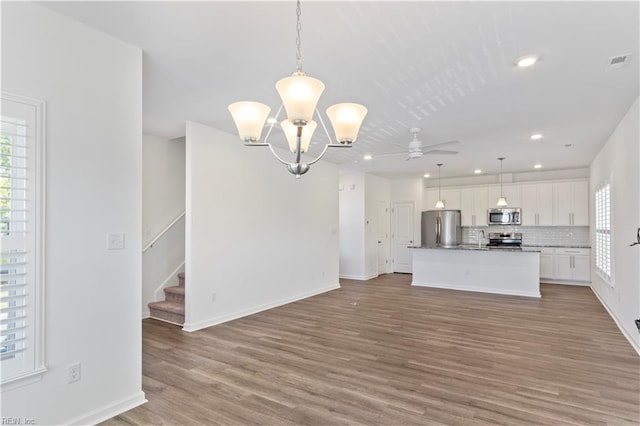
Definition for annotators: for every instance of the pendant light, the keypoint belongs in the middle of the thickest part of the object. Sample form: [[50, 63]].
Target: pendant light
[[502, 202], [440, 202]]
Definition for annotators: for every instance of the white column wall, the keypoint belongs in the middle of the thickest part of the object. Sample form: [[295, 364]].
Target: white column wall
[[256, 237], [618, 161], [92, 86], [352, 227]]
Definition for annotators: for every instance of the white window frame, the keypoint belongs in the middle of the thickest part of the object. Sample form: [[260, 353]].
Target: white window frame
[[603, 229], [36, 366]]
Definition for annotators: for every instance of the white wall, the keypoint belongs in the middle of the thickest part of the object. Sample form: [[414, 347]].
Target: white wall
[[163, 192], [618, 160], [352, 227], [163, 183], [256, 237], [92, 85], [377, 189]]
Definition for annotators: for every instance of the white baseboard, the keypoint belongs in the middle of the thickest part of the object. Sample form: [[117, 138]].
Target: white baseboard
[[243, 313], [634, 345], [109, 410], [359, 277], [477, 289], [561, 282]]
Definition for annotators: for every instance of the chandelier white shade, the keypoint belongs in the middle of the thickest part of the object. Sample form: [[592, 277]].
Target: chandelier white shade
[[299, 94], [346, 119], [249, 118], [291, 133]]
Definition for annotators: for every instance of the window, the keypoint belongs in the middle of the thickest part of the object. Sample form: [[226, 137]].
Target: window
[[603, 231], [21, 239]]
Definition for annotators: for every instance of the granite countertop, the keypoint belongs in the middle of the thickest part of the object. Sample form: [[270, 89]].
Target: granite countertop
[[474, 247], [556, 245]]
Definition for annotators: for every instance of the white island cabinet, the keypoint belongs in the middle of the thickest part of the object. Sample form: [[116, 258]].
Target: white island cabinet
[[512, 272]]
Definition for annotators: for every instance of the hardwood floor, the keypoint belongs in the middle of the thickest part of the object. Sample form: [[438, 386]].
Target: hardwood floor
[[384, 353]]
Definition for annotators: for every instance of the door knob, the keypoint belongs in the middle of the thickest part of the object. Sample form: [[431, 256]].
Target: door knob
[[379, 242], [637, 239], [411, 241]]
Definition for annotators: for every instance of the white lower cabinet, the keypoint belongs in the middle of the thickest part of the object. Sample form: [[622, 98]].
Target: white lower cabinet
[[565, 265], [573, 264], [546, 262]]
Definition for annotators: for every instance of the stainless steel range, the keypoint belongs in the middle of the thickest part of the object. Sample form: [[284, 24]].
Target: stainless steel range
[[505, 239]]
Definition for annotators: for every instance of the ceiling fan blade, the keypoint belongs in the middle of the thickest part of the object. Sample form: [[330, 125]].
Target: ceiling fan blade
[[387, 154], [440, 152], [439, 144]]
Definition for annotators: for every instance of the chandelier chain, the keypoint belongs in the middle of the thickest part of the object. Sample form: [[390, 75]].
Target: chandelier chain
[[298, 28]]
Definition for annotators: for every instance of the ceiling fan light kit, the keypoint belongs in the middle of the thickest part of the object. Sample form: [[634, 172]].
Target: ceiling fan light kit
[[300, 95]]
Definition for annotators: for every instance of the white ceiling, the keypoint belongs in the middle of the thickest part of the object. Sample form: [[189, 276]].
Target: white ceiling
[[447, 67]]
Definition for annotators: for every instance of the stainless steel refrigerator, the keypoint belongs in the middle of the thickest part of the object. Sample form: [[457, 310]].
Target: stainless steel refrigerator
[[441, 228]]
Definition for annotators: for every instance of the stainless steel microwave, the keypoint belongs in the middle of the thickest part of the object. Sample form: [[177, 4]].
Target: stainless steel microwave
[[506, 216]]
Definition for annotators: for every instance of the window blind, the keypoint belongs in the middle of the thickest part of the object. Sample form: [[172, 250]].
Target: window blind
[[603, 231], [21, 250]]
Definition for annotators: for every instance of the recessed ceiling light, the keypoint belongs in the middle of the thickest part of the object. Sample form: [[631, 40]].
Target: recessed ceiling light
[[368, 157], [427, 175], [536, 136], [477, 171], [537, 166], [527, 61]]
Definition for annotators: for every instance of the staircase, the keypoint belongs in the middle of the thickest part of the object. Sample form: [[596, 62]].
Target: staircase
[[172, 308]]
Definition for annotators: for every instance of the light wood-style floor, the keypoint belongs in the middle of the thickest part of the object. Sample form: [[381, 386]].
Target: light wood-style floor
[[384, 353]]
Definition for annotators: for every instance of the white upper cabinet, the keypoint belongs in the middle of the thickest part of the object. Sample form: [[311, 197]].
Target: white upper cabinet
[[537, 201], [474, 205], [571, 204]]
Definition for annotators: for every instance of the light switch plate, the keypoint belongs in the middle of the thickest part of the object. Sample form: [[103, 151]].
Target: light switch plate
[[115, 241]]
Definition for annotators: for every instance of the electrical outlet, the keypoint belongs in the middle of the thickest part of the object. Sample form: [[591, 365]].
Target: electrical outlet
[[73, 373]]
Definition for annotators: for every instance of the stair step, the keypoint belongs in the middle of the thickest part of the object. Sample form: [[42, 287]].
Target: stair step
[[168, 311], [174, 294]]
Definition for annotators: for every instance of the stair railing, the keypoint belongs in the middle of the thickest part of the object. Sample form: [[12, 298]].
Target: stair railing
[[164, 231]]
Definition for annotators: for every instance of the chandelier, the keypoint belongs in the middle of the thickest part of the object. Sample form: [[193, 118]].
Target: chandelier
[[299, 94]]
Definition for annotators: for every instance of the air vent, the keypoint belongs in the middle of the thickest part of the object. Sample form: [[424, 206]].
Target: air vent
[[618, 62]]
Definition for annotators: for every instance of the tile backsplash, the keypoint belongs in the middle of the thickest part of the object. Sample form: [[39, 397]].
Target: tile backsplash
[[533, 235]]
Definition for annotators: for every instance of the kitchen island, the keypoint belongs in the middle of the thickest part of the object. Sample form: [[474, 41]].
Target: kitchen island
[[501, 271]]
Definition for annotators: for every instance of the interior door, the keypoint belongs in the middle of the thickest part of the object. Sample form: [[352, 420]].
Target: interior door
[[403, 236], [382, 234]]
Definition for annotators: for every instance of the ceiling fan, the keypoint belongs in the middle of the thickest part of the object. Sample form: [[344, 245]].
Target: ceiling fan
[[416, 150]]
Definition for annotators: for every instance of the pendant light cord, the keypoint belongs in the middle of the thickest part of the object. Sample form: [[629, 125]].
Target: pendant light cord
[[439, 166], [298, 29]]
